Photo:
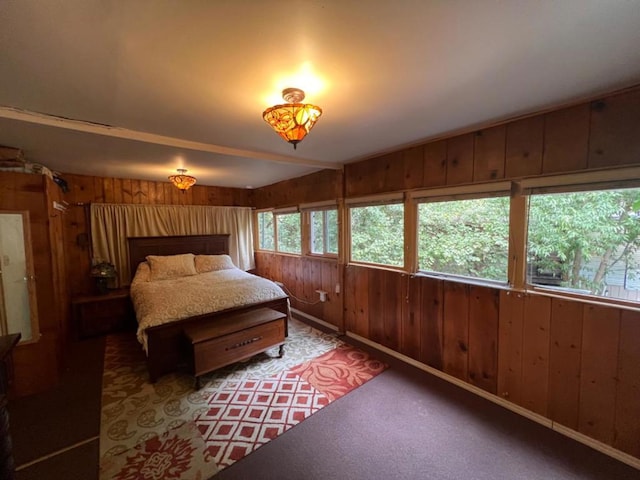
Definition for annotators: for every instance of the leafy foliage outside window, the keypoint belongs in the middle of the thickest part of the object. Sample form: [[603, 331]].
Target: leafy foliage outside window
[[377, 234], [586, 241], [288, 233], [324, 231], [465, 237], [265, 231]]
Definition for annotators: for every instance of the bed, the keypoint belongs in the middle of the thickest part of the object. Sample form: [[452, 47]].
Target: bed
[[165, 342]]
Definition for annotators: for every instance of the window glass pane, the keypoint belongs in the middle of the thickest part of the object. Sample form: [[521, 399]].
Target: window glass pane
[[288, 232], [324, 231], [317, 232], [265, 230], [465, 237], [377, 234], [586, 242], [332, 231]]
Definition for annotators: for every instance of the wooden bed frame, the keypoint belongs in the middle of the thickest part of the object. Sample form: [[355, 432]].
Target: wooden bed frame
[[167, 348]]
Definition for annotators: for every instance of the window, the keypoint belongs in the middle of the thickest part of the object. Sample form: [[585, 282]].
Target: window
[[377, 234], [265, 231], [288, 238], [324, 231], [465, 237], [279, 231], [586, 242]]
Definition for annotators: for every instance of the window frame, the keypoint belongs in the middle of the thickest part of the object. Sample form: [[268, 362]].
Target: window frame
[[460, 193], [307, 234], [276, 213], [372, 201], [585, 182]]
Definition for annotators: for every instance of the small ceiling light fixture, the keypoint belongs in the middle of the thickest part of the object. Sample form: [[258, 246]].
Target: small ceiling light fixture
[[181, 181], [292, 120]]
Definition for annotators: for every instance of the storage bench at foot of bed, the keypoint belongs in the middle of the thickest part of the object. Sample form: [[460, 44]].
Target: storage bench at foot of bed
[[234, 339]]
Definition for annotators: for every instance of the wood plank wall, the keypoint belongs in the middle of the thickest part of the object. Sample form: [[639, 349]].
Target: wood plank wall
[[575, 363], [84, 190], [594, 135], [36, 364]]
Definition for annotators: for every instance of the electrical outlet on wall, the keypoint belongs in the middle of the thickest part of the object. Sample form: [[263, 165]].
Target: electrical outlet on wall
[[323, 295]]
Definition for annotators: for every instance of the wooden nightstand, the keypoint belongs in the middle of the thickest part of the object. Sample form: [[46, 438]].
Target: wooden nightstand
[[101, 314]]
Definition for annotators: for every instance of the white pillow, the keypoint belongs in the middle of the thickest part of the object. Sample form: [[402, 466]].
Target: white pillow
[[171, 266], [211, 263]]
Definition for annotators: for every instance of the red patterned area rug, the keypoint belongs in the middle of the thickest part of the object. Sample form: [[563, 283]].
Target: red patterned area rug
[[169, 431]]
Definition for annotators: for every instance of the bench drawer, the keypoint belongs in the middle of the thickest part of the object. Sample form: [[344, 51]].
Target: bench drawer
[[221, 351]]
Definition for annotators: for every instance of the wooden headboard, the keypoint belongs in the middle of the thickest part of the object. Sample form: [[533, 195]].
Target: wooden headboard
[[140, 247]]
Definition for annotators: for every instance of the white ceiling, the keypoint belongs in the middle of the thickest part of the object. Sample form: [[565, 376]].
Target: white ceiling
[[198, 74]]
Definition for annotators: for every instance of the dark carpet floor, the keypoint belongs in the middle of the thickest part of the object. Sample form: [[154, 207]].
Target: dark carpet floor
[[67, 416], [403, 424]]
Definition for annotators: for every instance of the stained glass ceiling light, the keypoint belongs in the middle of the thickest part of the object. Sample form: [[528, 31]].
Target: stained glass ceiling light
[[292, 120], [181, 181]]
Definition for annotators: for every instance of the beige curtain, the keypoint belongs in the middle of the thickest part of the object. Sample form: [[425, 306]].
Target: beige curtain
[[111, 224]]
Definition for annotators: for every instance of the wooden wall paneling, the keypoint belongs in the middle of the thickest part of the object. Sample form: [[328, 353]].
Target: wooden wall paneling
[[566, 139], [349, 288], [59, 282], [356, 284], [615, 131], [118, 193], [413, 162], [299, 278], [127, 192], [431, 320], [410, 332], [136, 194], [168, 189], [158, 193], [435, 164], [357, 178], [108, 189], [151, 193], [381, 174], [291, 271], [600, 340], [489, 154], [525, 140], [456, 329], [389, 176], [510, 329], [315, 187], [309, 294], [145, 197], [483, 337], [627, 424], [535, 353], [392, 308], [98, 190], [199, 195], [376, 312], [460, 159], [564, 361], [332, 308], [82, 191], [175, 196]]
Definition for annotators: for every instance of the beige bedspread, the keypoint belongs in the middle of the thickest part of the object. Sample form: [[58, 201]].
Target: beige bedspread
[[164, 301]]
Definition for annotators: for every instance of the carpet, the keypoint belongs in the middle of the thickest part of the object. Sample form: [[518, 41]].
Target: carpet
[[170, 431]]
